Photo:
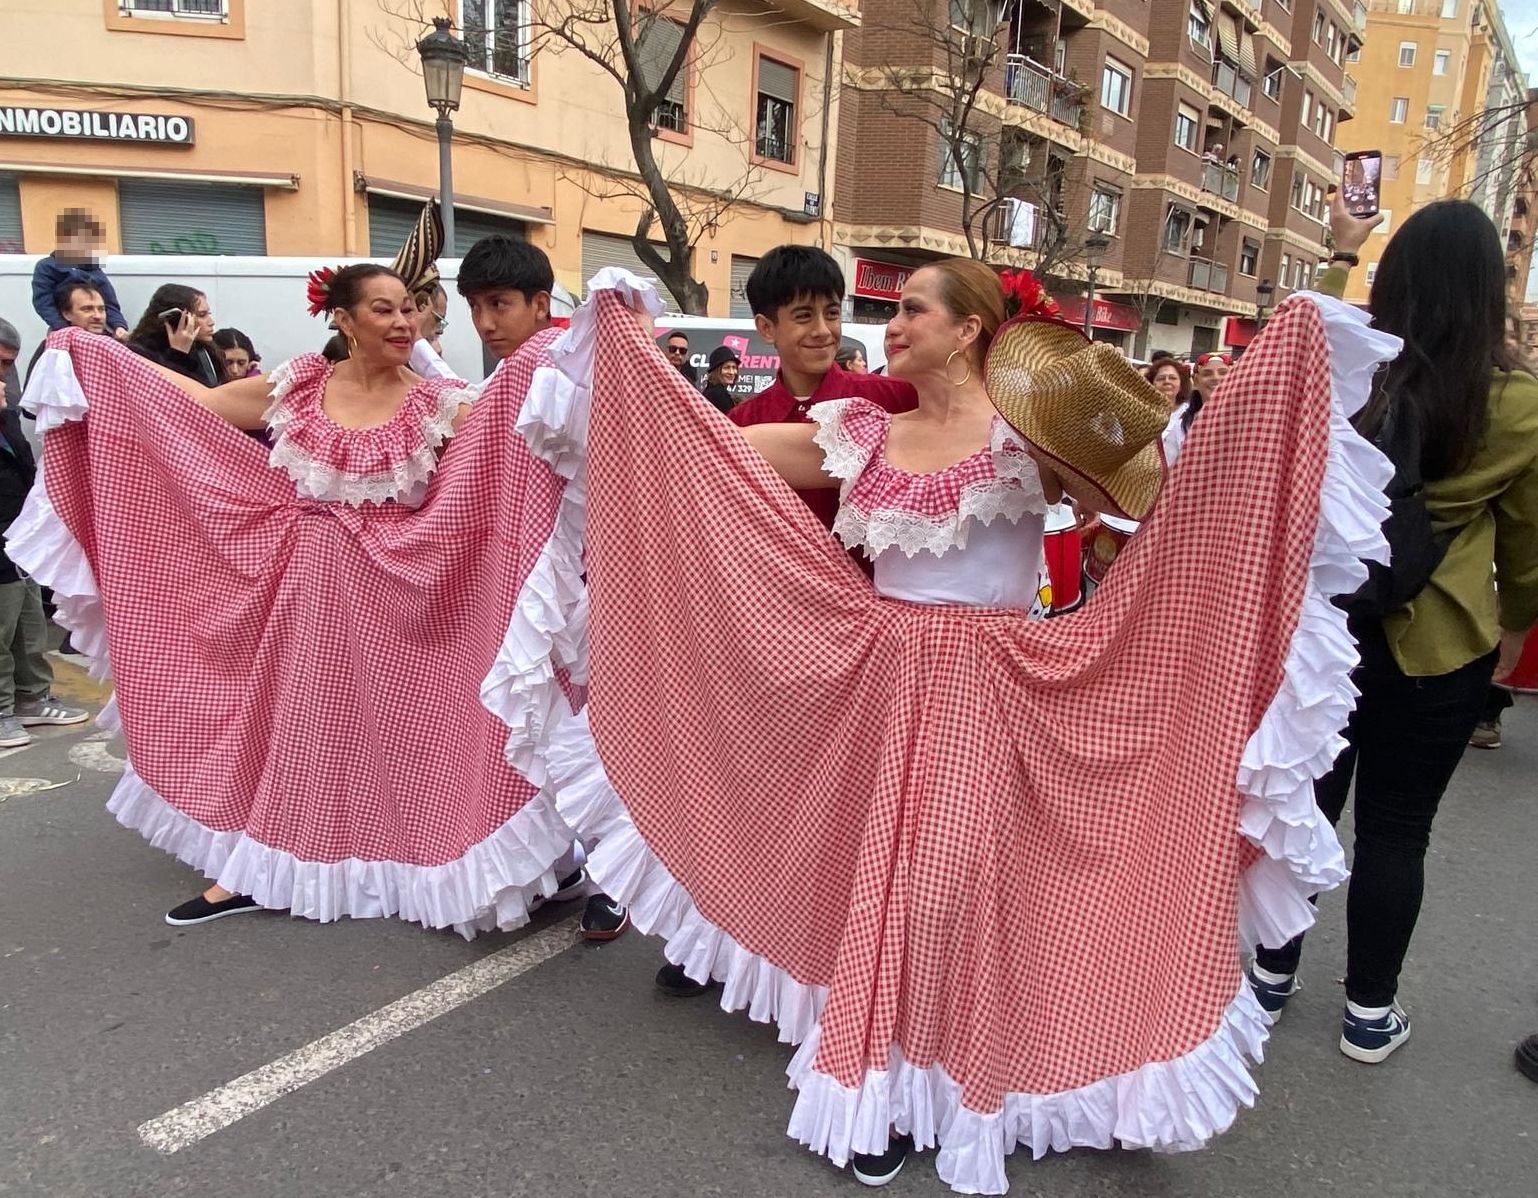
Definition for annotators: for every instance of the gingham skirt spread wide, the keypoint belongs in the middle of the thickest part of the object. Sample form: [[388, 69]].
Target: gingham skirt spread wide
[[989, 873], [298, 681]]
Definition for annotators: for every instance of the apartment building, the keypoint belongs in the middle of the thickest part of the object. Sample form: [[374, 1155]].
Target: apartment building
[[301, 127], [1446, 101], [1193, 138]]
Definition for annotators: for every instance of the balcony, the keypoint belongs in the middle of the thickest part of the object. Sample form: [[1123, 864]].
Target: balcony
[[1348, 92], [1031, 85], [1231, 83], [1207, 275], [1359, 18], [1221, 180]]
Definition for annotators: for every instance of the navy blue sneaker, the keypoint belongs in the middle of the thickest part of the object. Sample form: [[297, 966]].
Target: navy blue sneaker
[[1371, 1040], [1272, 990]]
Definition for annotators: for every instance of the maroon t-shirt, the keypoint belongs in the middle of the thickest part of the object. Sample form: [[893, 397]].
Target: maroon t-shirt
[[776, 405]]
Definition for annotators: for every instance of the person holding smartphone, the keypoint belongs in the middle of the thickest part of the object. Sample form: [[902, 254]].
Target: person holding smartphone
[[177, 332]]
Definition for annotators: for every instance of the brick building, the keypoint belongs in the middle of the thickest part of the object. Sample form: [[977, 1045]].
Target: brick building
[[1194, 138]]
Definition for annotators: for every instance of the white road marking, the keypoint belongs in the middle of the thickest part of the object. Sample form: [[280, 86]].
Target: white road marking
[[93, 754], [193, 1121], [28, 786]]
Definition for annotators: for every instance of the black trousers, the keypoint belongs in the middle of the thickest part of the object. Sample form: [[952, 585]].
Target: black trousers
[[1405, 739]]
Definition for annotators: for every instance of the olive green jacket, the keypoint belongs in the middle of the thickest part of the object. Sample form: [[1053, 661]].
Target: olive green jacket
[[1459, 615]]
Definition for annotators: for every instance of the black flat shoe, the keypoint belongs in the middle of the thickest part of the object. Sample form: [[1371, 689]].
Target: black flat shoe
[[1527, 1058], [877, 1170], [674, 982], [200, 910]]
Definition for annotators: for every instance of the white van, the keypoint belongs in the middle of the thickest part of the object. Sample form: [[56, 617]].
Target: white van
[[760, 362]]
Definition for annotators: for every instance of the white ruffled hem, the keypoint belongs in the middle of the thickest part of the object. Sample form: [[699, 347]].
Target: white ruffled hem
[[1013, 492], [1171, 1105], [494, 885]]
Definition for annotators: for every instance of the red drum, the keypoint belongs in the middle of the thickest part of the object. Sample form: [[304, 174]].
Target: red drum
[[1525, 677], [1103, 540], [1064, 560]]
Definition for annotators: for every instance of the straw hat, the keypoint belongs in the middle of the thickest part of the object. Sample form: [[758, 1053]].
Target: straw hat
[[1083, 405], [417, 263]]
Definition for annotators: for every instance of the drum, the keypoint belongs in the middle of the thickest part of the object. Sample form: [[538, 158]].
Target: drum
[[1524, 679], [1104, 538], [1064, 560]]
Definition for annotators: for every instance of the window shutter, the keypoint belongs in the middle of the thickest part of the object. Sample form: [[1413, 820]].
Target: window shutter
[[657, 41], [777, 80], [10, 215], [605, 249], [191, 218], [1247, 53], [1229, 26], [741, 269], [391, 220]]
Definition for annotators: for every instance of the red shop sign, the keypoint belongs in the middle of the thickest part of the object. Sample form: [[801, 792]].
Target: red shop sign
[[880, 280], [1107, 314]]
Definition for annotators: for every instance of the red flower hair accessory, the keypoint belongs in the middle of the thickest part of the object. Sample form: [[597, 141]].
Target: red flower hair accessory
[[1025, 296], [319, 289]]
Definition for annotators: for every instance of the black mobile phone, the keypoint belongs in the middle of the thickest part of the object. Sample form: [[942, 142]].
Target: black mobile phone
[[171, 316], [1360, 181]]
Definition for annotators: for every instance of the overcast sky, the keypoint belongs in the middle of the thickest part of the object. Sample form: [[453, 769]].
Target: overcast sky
[[1522, 23]]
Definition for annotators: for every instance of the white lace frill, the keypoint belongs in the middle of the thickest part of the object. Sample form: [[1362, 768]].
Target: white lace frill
[[495, 883], [393, 461], [881, 507]]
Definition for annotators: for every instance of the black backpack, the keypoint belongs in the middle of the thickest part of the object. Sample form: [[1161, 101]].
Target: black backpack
[[1416, 549]]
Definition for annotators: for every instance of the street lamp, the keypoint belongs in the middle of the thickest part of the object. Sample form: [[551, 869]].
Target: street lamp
[[1263, 294], [1095, 246], [443, 71]]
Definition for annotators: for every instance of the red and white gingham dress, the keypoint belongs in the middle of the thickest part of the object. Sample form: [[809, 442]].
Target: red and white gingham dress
[[984, 869], [297, 655]]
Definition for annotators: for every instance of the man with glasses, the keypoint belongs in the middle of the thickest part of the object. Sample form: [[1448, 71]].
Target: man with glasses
[[677, 348]]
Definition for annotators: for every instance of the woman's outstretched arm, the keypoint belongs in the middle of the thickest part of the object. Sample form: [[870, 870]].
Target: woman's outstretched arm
[[793, 453]]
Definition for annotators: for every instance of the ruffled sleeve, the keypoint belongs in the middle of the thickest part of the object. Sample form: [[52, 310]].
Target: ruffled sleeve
[[849, 432], [392, 461]]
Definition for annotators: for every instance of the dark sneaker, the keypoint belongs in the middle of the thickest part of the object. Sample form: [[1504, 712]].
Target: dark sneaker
[[878, 1170], [1372, 1039], [1527, 1058], [200, 910], [12, 734], [673, 981], [568, 888], [603, 919], [49, 710], [1487, 735], [1272, 990]]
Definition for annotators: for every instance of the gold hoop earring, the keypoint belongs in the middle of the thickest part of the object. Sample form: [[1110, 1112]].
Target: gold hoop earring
[[956, 353], [352, 345]]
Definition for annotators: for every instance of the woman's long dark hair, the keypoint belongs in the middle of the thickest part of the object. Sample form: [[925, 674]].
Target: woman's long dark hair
[[1441, 285], [151, 330]]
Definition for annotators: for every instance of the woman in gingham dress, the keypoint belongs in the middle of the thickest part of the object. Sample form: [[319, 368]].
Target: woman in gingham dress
[[298, 635], [976, 865]]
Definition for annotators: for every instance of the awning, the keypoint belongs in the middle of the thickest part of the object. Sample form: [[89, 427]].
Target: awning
[[1107, 315], [239, 178], [1229, 29], [1238, 332], [413, 191], [1247, 53]]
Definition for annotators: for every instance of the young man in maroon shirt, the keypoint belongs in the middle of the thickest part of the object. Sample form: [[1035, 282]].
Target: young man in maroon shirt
[[797, 296]]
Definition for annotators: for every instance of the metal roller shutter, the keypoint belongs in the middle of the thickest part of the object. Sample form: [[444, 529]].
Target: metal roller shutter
[[604, 249], [10, 216], [390, 221], [741, 269], [778, 80], [191, 218]]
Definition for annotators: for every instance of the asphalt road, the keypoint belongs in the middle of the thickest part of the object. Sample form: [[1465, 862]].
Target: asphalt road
[[577, 1078]]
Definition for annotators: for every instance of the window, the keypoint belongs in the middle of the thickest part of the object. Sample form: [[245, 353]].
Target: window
[[1324, 122], [1271, 81], [1116, 87], [1249, 258], [981, 18], [779, 86], [1295, 196], [1391, 166], [215, 10], [1308, 107], [970, 147], [1318, 26], [1425, 169], [1399, 110], [657, 42], [1434, 115], [1332, 41], [1284, 275], [1407, 54], [1449, 9], [1355, 55], [1441, 62], [1260, 170], [1199, 24], [1187, 119], [497, 38], [1177, 225], [1406, 7], [1104, 210]]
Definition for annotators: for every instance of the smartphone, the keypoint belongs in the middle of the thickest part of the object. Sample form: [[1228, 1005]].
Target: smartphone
[[171, 316], [1359, 183]]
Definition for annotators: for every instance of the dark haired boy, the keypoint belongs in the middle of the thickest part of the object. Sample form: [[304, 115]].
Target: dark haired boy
[[76, 259], [797, 296]]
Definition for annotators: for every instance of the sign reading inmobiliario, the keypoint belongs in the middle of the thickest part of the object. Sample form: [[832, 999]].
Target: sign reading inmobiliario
[[75, 124]]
